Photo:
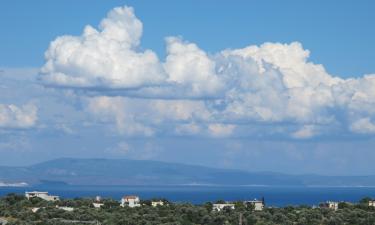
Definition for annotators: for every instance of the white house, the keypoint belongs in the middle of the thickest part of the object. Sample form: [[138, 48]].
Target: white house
[[42, 195], [329, 205], [220, 206], [97, 204], [156, 203], [258, 205], [131, 201], [371, 203], [65, 208], [35, 209]]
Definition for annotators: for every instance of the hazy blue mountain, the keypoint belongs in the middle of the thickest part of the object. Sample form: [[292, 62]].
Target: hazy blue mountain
[[140, 172]]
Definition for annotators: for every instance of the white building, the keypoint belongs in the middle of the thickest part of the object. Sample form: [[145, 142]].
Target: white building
[[258, 205], [156, 203], [42, 195], [35, 209], [131, 201], [371, 203], [220, 206], [97, 204], [329, 205], [65, 208]]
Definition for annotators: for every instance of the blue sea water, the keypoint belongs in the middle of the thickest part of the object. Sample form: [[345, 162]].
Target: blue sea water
[[274, 196]]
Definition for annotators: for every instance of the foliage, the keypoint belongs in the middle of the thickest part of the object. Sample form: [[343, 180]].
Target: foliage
[[17, 210]]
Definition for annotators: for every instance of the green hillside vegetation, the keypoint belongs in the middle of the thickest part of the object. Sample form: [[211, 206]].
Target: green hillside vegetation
[[17, 209]]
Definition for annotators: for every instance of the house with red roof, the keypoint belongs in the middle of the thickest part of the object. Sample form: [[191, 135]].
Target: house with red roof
[[131, 201]]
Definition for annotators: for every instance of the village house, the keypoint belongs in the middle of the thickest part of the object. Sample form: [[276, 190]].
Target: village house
[[329, 205], [220, 206], [156, 203], [65, 208], [98, 202], [371, 203], [35, 209], [42, 195], [258, 204], [131, 201]]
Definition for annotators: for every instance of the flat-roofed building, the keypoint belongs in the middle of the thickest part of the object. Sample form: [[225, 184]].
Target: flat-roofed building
[[257, 204], [220, 206], [65, 208], [156, 203], [329, 205], [97, 205], [41, 194]]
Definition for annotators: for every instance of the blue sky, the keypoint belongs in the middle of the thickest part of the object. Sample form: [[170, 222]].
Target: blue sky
[[339, 33], [257, 85]]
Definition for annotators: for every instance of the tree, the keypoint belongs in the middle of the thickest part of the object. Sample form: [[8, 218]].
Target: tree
[[250, 206], [110, 203], [208, 206], [343, 205], [365, 200], [251, 219]]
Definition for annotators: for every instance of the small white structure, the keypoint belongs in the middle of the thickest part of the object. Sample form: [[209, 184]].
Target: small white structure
[[156, 203], [97, 204], [131, 201], [42, 195], [35, 209], [220, 206], [371, 203], [65, 208], [329, 205], [258, 205]]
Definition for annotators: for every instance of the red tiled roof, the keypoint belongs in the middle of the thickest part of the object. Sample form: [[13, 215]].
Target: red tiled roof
[[130, 197]]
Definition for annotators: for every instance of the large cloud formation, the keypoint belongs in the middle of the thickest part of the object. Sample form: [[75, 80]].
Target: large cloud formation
[[107, 58], [271, 89]]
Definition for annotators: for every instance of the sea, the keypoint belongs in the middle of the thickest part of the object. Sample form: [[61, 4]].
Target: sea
[[277, 196]]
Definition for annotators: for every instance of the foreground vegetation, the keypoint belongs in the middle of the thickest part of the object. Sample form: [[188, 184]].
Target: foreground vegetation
[[17, 209]]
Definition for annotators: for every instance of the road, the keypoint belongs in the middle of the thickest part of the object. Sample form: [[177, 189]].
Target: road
[[3, 221]]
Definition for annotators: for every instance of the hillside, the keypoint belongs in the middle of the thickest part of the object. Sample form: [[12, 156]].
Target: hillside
[[140, 172]]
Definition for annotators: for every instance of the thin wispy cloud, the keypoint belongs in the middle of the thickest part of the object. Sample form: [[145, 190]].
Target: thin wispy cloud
[[12, 116]]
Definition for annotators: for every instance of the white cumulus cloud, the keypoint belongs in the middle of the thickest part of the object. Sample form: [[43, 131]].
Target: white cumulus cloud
[[194, 92], [187, 65], [104, 58]]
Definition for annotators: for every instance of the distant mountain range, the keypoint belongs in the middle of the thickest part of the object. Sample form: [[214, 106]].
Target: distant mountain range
[[69, 171]]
